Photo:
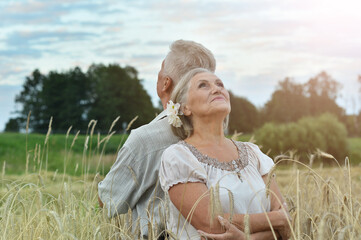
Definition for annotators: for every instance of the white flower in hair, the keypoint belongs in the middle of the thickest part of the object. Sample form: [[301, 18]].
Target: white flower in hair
[[172, 113]]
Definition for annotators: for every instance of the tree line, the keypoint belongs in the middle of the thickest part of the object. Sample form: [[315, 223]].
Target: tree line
[[292, 101], [73, 98], [104, 92]]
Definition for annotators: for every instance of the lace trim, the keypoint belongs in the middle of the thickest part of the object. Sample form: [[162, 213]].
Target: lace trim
[[233, 166]]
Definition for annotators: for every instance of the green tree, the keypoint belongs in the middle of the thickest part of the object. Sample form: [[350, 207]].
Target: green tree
[[291, 101], [324, 132], [74, 98], [66, 99], [288, 103], [244, 116], [12, 125], [63, 96], [322, 91], [118, 91], [31, 100]]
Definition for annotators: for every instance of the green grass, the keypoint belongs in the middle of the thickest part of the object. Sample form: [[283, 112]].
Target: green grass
[[56, 151], [354, 149], [13, 152]]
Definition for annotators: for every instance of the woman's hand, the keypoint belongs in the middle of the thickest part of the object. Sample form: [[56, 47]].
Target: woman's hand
[[231, 232], [284, 229]]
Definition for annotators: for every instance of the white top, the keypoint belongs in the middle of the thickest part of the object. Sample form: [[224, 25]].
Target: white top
[[132, 182], [182, 163]]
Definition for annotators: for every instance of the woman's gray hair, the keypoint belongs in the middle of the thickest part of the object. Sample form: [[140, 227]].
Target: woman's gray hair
[[180, 95], [186, 55]]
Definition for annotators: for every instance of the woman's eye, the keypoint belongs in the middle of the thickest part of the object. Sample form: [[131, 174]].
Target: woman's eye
[[202, 85], [220, 84]]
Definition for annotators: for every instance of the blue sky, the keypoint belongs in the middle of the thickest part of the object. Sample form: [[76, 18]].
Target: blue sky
[[256, 42]]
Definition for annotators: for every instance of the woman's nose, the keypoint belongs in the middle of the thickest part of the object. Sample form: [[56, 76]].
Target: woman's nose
[[216, 88]]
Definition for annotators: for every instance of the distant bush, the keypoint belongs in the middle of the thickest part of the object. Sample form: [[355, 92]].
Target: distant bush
[[306, 136]]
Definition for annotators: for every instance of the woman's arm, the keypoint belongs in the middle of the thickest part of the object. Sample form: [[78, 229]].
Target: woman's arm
[[278, 217], [259, 222], [275, 194], [279, 204], [233, 233], [185, 195]]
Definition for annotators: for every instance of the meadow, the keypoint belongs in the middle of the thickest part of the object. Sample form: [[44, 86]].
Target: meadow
[[48, 190]]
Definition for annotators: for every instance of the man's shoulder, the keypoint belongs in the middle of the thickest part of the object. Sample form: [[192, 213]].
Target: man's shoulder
[[152, 136]]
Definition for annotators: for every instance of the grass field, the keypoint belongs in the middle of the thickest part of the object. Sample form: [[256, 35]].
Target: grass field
[[58, 149], [13, 151], [324, 203], [39, 201]]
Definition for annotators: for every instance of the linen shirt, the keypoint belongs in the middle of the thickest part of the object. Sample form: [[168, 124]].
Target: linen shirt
[[132, 182], [182, 163]]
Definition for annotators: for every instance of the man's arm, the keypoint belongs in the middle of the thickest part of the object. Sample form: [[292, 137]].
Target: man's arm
[[119, 190]]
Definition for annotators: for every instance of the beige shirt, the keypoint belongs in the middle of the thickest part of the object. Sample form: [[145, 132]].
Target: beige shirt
[[132, 182]]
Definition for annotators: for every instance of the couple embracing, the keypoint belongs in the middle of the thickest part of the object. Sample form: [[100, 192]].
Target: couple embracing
[[182, 159]]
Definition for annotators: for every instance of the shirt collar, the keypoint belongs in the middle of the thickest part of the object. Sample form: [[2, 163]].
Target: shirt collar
[[160, 116]]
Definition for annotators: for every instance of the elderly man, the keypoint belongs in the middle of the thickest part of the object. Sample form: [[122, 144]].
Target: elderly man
[[132, 182]]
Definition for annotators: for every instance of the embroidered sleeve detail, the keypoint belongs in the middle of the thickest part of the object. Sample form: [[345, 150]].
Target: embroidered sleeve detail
[[233, 166]]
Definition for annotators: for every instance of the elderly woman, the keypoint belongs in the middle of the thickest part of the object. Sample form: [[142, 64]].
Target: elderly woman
[[205, 159]]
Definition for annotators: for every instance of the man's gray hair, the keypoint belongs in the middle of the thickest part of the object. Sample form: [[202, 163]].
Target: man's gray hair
[[180, 95], [186, 55]]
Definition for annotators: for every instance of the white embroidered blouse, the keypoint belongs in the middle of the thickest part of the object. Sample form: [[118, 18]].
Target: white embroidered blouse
[[182, 162]]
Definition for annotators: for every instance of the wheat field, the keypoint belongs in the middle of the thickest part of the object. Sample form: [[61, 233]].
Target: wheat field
[[324, 202]]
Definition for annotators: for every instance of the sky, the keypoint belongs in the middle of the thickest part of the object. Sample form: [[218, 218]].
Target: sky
[[256, 43]]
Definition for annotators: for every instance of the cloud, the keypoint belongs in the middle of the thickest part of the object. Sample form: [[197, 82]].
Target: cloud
[[42, 12], [36, 43], [11, 73]]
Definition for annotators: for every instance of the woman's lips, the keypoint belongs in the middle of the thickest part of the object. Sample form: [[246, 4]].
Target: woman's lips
[[218, 98]]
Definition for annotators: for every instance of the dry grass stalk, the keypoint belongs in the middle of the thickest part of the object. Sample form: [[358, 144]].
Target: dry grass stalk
[[231, 205], [27, 131], [247, 231], [3, 170], [113, 124], [49, 130], [91, 122], [217, 201], [67, 132], [131, 123], [212, 213], [74, 139], [236, 135]]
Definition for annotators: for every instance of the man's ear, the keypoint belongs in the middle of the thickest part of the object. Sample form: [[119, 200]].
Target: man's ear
[[167, 85]]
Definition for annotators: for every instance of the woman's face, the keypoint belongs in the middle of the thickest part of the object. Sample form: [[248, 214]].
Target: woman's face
[[207, 96]]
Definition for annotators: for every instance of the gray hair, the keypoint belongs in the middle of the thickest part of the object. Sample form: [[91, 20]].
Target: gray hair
[[185, 56], [180, 95]]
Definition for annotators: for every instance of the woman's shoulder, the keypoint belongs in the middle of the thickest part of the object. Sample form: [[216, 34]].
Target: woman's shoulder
[[256, 157], [248, 145], [178, 152], [175, 148]]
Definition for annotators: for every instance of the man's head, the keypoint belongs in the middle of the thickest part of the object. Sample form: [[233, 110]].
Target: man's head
[[182, 57]]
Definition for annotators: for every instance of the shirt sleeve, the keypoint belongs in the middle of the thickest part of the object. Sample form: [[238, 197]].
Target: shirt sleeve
[[118, 190], [264, 162], [179, 165]]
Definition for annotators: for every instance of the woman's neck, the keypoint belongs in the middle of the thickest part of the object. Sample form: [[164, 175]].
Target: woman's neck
[[208, 130]]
